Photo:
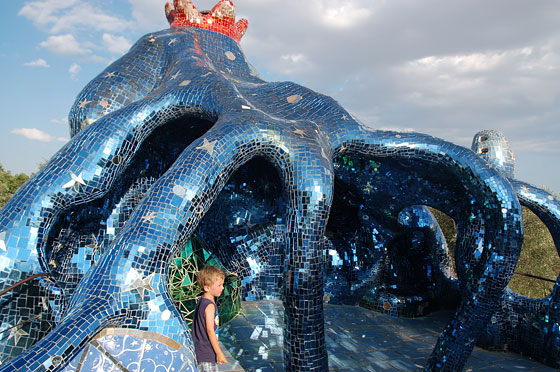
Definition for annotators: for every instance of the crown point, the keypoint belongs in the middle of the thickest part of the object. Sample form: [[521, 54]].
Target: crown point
[[169, 12], [220, 19]]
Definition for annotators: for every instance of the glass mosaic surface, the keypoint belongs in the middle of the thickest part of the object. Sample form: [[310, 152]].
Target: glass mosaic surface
[[179, 138]]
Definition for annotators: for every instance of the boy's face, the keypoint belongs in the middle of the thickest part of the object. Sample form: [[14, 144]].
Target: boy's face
[[216, 288]]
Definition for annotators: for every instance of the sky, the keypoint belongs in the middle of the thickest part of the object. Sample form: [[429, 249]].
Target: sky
[[445, 68]]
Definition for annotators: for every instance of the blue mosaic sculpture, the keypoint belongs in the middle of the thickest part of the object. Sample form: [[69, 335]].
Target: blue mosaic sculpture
[[181, 137]]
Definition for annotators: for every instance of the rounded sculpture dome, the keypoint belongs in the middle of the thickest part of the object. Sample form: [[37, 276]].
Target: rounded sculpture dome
[[493, 146]]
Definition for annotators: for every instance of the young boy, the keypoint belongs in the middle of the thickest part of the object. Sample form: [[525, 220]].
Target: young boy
[[205, 320]]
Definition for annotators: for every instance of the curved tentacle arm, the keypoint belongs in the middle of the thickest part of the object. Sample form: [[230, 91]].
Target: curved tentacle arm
[[309, 183], [75, 176], [421, 217], [83, 170], [125, 81], [536, 319], [491, 241]]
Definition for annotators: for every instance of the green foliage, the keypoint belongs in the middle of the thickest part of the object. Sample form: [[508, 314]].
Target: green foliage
[[9, 184], [449, 229], [538, 257], [447, 225]]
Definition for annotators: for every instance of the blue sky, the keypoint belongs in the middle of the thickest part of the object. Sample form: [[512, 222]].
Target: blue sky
[[449, 69]]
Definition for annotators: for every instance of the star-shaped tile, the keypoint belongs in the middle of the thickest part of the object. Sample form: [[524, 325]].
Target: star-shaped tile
[[94, 245], [57, 248], [176, 75], [184, 83], [141, 285], [249, 224], [179, 190], [199, 210], [345, 117], [230, 56], [172, 41], [300, 132], [103, 103], [75, 182], [524, 189], [152, 39], [45, 303], [3, 241], [208, 146], [294, 98], [149, 217], [110, 74], [16, 333], [84, 103]]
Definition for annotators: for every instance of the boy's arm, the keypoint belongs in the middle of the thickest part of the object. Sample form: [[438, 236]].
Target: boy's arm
[[210, 314]]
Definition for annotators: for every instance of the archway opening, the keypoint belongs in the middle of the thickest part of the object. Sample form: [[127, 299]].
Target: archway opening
[[537, 268], [449, 229]]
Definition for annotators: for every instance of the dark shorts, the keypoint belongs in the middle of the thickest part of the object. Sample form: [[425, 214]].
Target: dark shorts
[[207, 367]]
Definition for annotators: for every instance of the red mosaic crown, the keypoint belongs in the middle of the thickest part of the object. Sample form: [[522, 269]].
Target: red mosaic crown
[[220, 19]]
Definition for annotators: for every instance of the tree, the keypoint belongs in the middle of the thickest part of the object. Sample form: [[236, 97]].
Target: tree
[[9, 184]]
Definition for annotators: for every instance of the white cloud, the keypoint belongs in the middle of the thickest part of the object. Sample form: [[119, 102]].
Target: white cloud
[[40, 62], [294, 64], [116, 44], [71, 15], [63, 121], [74, 70], [43, 12], [99, 59], [37, 135], [64, 45], [540, 145], [497, 78], [88, 17], [345, 15], [476, 62], [293, 58]]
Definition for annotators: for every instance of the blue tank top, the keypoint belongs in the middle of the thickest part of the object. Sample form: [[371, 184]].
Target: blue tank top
[[202, 347]]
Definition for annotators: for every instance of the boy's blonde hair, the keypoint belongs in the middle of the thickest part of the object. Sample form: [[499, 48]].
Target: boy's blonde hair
[[208, 276]]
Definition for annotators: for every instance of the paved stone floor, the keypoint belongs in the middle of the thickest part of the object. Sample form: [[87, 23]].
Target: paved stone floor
[[357, 340]]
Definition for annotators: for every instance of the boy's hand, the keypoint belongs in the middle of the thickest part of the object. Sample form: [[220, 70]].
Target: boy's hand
[[221, 358]]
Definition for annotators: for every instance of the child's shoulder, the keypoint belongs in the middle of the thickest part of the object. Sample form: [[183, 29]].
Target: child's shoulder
[[205, 301]]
